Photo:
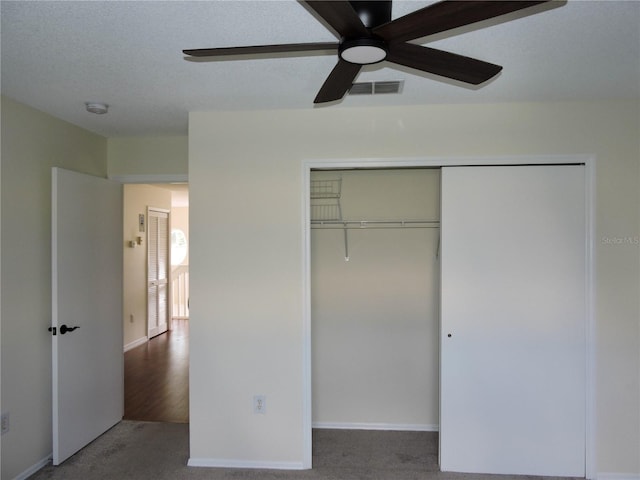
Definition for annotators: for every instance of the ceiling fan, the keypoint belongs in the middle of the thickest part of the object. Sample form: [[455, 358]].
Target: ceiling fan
[[368, 36]]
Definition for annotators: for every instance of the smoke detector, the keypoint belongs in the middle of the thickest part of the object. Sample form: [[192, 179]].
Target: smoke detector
[[97, 108]]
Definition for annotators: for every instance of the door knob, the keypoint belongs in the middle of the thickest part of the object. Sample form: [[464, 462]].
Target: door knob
[[64, 329]]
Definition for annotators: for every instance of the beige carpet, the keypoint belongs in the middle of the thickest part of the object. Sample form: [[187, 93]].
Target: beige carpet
[[159, 451]]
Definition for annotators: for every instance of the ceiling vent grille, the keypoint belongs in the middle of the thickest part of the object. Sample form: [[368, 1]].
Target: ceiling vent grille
[[361, 88], [374, 88]]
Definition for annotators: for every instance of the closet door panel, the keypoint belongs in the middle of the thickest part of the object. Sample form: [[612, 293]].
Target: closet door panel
[[513, 320]]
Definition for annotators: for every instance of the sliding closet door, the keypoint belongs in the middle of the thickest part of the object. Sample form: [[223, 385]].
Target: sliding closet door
[[513, 320]]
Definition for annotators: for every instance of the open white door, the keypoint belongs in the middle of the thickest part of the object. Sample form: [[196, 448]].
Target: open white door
[[87, 244], [513, 320]]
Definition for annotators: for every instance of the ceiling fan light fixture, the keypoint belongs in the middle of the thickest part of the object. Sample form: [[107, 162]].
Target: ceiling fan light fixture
[[97, 108], [363, 51]]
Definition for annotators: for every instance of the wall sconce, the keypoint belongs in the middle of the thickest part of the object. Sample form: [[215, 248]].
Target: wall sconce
[[136, 242]]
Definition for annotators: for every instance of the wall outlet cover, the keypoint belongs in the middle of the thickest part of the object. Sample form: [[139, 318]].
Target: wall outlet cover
[[259, 404], [5, 423]]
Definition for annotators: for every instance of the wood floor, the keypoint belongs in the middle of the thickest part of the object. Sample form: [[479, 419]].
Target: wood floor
[[156, 377]]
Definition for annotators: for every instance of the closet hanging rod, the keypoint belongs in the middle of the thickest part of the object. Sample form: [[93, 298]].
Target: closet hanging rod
[[362, 224]]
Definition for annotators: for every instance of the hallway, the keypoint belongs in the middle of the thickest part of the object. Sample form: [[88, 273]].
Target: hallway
[[156, 377]]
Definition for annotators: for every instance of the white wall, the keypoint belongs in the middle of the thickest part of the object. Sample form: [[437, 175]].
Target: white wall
[[136, 200], [32, 143], [246, 179], [374, 318]]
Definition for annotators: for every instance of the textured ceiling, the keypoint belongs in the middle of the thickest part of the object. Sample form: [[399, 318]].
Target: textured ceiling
[[57, 55]]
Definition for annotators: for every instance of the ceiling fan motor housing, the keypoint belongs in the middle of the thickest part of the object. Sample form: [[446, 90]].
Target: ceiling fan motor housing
[[372, 14]]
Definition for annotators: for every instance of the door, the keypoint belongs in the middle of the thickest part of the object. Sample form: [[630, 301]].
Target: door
[[513, 320], [157, 272], [87, 243]]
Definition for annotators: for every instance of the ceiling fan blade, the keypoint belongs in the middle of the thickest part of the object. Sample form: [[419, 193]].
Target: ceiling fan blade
[[446, 15], [338, 82], [261, 49], [445, 64], [341, 16]]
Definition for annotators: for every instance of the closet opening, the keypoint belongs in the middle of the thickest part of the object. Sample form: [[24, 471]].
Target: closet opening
[[374, 302]]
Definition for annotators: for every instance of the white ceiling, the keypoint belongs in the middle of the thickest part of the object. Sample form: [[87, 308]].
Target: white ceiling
[[57, 55]]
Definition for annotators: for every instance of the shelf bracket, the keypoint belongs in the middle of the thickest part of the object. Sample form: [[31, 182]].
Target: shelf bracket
[[346, 243]]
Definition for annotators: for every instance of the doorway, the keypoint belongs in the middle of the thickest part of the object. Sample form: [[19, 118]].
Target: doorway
[[156, 363]]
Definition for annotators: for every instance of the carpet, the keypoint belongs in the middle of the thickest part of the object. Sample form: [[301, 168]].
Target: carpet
[[159, 451]]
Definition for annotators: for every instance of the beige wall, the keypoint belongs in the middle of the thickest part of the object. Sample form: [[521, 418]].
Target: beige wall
[[136, 200], [374, 318], [166, 155], [32, 143], [246, 293]]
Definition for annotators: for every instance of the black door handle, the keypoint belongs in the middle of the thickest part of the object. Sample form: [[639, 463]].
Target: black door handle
[[64, 329]]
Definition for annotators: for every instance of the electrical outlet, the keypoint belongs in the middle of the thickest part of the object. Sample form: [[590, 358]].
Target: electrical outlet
[[5, 423], [259, 404]]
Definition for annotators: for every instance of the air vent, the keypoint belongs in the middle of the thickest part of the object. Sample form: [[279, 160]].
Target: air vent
[[374, 88], [362, 88], [387, 87]]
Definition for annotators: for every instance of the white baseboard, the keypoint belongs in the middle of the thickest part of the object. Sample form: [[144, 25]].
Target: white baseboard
[[34, 468], [227, 463], [136, 343], [378, 426], [618, 476]]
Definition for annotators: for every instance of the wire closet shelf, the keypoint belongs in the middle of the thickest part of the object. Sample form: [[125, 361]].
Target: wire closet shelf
[[326, 213]]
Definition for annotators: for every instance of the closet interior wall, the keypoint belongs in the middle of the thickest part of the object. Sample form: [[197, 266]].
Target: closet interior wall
[[374, 317]]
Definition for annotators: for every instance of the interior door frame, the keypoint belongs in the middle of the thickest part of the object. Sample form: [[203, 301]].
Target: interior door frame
[[589, 162]]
